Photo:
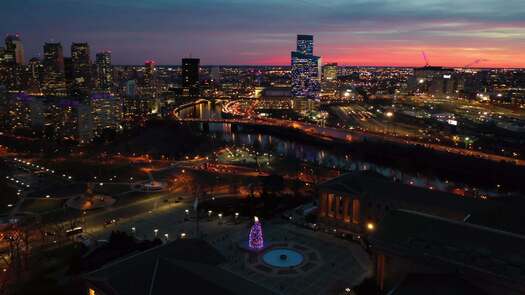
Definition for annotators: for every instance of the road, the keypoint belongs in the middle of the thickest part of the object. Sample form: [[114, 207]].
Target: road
[[144, 215]]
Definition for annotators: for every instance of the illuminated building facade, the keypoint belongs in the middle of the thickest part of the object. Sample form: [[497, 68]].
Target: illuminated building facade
[[190, 76], [14, 46], [54, 80], [12, 62], [305, 73], [360, 199], [431, 80], [305, 44], [149, 89], [81, 68], [149, 81], [35, 71], [330, 72], [106, 111], [104, 71]]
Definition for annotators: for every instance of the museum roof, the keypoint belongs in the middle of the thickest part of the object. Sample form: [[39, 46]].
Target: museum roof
[[376, 186], [179, 267], [452, 242]]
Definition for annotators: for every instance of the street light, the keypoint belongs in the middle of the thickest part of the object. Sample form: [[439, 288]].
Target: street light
[[156, 231]]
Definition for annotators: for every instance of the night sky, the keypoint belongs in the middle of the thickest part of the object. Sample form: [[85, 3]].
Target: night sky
[[353, 32]]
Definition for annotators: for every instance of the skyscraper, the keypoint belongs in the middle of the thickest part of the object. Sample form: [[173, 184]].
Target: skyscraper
[[34, 67], [54, 80], [81, 66], [149, 82], [14, 46], [305, 72], [190, 76], [12, 62], [104, 71], [305, 44]]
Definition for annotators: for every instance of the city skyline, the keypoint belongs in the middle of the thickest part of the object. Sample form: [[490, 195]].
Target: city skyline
[[378, 33]]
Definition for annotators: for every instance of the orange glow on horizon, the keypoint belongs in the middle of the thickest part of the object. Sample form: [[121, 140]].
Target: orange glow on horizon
[[410, 56]]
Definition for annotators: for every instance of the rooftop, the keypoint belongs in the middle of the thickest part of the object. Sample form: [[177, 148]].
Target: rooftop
[[455, 243], [503, 213], [375, 186], [434, 284], [184, 266]]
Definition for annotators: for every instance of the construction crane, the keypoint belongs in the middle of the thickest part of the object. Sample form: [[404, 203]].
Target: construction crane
[[425, 57], [477, 61]]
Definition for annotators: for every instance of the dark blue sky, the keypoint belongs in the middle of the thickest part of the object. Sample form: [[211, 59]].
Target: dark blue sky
[[361, 32]]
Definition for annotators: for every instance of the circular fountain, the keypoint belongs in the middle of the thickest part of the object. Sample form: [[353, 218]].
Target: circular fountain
[[283, 257]]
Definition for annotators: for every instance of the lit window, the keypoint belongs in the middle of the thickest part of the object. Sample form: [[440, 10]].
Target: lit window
[[92, 292]]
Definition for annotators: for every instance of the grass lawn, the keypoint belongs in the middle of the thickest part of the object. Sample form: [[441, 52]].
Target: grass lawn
[[41, 205], [111, 189], [7, 196], [86, 170]]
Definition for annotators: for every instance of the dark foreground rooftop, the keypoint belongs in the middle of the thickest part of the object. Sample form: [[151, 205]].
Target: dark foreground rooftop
[[179, 267], [435, 284], [503, 213], [455, 243]]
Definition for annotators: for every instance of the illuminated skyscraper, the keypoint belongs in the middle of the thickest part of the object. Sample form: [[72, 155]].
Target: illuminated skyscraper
[[14, 46], [104, 71], [149, 88], [106, 112], [149, 82], [305, 44], [81, 66], [54, 81], [305, 72], [12, 62], [34, 67], [190, 76]]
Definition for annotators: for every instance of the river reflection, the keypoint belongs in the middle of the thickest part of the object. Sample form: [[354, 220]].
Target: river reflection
[[203, 111]]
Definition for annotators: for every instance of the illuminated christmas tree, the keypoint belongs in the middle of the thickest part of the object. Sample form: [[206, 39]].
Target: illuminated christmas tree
[[255, 240]]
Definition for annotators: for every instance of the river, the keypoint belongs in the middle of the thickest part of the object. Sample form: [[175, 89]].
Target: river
[[243, 136]]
